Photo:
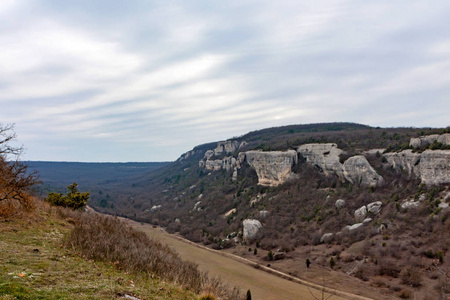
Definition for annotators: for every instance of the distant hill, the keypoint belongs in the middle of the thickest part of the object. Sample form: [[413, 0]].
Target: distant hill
[[100, 179]]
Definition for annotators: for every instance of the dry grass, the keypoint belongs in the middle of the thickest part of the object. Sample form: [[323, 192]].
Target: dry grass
[[34, 266], [105, 238]]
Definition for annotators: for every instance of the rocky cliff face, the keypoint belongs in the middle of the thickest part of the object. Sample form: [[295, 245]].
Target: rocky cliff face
[[427, 140], [274, 167], [358, 170], [405, 161], [323, 156], [435, 167], [431, 166]]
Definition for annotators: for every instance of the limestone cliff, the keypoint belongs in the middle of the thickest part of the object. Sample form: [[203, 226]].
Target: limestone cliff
[[435, 167], [323, 156], [273, 167], [431, 166], [405, 161], [358, 170], [427, 140]]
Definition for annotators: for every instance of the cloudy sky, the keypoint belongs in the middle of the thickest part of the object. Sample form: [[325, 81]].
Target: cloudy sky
[[148, 80]]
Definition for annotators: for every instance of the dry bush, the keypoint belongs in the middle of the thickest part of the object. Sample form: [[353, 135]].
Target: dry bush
[[405, 294], [411, 276], [106, 238], [388, 267]]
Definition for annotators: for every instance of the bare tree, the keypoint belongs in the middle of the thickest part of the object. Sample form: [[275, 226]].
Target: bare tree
[[15, 180]]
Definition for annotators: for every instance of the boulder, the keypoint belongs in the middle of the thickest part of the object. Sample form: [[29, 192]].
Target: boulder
[[274, 167], [326, 238], [374, 207], [196, 206], [279, 255], [155, 207], [339, 203], [251, 229], [230, 212], [360, 213], [367, 220], [354, 226], [358, 171], [381, 228], [410, 204], [324, 157]]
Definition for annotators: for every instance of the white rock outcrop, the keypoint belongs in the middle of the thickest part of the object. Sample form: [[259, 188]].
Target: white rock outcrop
[[358, 171], [374, 207], [431, 166], [325, 157], [360, 213], [404, 161], [410, 204], [155, 207], [326, 238], [251, 229], [339, 203], [434, 167], [272, 167], [354, 226], [427, 140]]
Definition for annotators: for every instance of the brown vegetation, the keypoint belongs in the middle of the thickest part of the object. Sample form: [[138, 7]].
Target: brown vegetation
[[108, 239], [15, 180]]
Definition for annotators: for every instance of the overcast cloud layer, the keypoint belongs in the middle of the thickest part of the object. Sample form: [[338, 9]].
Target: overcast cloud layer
[[141, 81]]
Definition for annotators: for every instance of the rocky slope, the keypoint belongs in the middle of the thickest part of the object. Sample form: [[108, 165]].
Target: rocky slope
[[316, 192]]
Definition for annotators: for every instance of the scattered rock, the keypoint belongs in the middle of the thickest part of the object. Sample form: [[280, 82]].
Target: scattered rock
[[367, 220], [177, 220], [381, 228], [196, 206], [340, 203], [155, 207], [354, 226], [360, 213], [410, 204], [279, 255], [374, 207], [231, 211], [326, 238], [263, 213]]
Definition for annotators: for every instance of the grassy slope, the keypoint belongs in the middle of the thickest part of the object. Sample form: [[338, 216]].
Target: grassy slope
[[33, 265]]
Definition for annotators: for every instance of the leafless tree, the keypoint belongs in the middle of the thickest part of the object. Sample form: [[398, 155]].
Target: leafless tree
[[15, 180]]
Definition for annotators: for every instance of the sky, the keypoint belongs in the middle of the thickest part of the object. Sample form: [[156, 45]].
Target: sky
[[116, 81]]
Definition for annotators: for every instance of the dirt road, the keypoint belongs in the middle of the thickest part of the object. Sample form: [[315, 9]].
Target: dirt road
[[262, 284]]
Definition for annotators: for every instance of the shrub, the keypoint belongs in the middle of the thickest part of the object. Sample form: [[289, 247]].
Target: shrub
[[411, 276], [270, 255], [108, 239], [73, 199]]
